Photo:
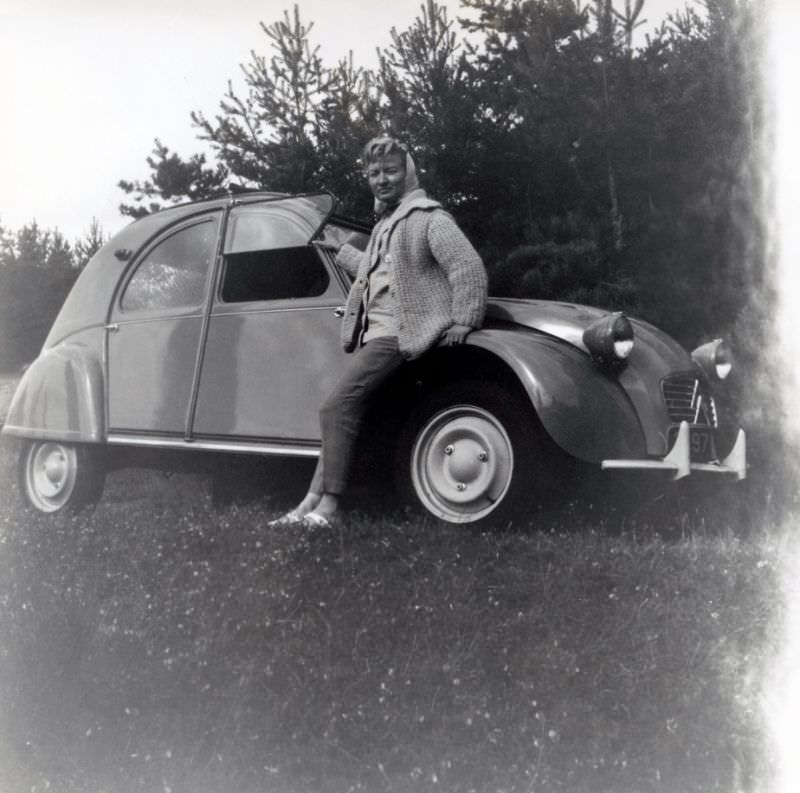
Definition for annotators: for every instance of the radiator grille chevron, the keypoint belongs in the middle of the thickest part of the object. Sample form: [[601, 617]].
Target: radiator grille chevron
[[688, 399]]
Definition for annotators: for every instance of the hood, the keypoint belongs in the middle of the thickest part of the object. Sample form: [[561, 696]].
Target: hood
[[567, 321]]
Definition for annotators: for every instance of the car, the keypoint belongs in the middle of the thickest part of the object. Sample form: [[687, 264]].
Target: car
[[213, 327]]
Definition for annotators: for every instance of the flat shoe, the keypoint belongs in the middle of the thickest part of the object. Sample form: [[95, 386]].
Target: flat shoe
[[313, 520], [290, 519]]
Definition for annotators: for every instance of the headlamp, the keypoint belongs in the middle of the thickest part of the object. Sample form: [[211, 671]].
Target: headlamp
[[609, 339], [715, 359]]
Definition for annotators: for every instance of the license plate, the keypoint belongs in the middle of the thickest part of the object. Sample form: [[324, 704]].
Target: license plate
[[701, 443]]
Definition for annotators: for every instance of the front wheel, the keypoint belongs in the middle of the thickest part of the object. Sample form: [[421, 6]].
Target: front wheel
[[54, 476], [472, 454]]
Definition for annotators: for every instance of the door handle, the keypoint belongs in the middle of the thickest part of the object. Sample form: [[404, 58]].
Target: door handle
[[112, 326], [338, 311]]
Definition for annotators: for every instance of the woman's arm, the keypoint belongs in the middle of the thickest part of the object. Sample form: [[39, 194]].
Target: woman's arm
[[465, 271], [349, 258]]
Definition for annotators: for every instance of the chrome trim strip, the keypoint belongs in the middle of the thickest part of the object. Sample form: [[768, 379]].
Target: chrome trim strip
[[214, 446]]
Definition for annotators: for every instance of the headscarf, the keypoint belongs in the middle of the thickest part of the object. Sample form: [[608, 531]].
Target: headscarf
[[379, 148]]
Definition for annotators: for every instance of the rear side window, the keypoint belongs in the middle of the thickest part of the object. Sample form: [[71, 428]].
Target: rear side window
[[174, 273], [277, 274]]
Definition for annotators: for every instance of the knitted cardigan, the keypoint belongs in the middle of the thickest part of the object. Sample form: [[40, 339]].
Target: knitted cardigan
[[437, 278]]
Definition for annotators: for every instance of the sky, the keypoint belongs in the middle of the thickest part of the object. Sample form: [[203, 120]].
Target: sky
[[87, 85]]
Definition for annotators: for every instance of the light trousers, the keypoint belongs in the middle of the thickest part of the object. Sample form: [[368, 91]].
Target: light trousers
[[342, 413]]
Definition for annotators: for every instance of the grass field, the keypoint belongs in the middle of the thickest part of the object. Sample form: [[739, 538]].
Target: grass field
[[162, 644]]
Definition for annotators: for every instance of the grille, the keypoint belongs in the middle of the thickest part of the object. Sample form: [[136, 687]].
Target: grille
[[688, 399]]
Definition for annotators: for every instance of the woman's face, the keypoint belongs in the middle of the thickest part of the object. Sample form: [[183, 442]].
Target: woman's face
[[387, 178]]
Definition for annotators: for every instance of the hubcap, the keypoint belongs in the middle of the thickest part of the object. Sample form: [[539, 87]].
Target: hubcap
[[50, 474], [462, 464]]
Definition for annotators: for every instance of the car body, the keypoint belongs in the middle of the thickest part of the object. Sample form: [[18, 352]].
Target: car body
[[214, 326]]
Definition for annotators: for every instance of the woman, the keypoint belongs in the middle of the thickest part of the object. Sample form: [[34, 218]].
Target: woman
[[418, 282]]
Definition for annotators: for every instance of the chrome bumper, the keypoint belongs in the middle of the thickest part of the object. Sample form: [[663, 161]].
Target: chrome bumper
[[679, 464]]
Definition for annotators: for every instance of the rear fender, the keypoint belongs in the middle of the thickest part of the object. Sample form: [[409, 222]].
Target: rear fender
[[60, 396], [584, 410]]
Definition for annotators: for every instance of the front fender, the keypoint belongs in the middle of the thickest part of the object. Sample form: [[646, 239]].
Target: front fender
[[585, 411], [60, 395]]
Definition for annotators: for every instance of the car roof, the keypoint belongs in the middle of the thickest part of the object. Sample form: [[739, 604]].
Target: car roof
[[89, 299]]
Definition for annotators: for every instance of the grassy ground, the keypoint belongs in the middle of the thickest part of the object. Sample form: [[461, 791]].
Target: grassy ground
[[158, 643]]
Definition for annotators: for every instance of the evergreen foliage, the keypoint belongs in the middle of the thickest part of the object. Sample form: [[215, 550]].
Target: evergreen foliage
[[37, 269], [582, 167], [549, 135]]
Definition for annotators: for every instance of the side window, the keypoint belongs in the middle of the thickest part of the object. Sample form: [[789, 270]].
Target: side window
[[174, 273], [278, 274]]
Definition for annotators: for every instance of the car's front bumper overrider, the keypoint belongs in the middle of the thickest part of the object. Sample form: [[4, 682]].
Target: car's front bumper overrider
[[678, 461]]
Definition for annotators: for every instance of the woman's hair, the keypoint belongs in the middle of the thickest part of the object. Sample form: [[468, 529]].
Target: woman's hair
[[380, 147]]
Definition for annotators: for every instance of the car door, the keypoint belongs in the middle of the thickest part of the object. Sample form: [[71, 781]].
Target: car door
[[272, 352], [155, 330]]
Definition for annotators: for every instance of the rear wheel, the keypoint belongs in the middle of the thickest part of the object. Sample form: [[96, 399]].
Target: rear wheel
[[472, 454], [54, 476]]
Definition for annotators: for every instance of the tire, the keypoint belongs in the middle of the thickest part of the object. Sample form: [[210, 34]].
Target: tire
[[472, 454], [56, 476]]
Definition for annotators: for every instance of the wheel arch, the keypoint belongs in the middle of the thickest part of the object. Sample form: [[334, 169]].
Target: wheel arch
[[583, 410], [60, 395]]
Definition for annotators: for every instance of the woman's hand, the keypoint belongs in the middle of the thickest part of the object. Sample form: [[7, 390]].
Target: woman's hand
[[326, 245], [455, 334]]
